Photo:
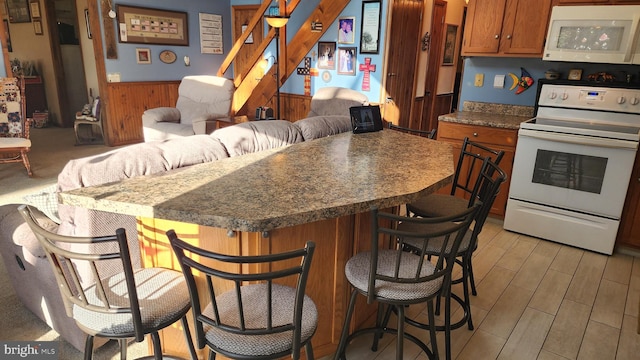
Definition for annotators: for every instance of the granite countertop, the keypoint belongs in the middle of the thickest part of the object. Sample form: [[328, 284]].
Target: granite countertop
[[314, 180], [490, 115]]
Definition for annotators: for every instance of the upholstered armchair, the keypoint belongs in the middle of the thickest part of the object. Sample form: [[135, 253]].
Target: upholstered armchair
[[201, 98], [329, 112]]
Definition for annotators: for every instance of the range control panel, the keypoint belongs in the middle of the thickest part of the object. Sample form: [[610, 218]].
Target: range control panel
[[590, 97]]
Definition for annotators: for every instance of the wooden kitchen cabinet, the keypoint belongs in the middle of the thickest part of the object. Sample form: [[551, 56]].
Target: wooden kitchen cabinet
[[495, 138], [629, 231], [506, 28]]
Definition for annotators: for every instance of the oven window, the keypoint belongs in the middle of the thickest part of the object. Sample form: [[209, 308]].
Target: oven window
[[570, 171], [588, 38]]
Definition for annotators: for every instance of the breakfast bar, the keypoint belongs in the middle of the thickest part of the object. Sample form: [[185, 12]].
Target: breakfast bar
[[275, 200]]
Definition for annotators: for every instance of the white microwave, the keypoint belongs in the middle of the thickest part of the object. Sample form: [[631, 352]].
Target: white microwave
[[596, 34]]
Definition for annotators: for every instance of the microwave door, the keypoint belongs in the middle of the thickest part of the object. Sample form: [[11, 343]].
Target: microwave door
[[595, 34]]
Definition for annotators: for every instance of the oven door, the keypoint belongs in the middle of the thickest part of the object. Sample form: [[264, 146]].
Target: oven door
[[572, 172]]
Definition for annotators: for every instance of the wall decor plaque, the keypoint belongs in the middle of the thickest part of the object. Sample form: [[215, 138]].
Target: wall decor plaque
[[152, 26]]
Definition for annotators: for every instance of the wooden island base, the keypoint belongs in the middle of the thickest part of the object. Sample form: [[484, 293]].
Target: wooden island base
[[336, 241]]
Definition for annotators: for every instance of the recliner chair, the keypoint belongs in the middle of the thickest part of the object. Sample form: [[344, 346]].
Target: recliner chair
[[200, 98]]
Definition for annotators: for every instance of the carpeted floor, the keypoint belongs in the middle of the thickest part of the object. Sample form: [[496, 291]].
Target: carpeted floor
[[51, 149]]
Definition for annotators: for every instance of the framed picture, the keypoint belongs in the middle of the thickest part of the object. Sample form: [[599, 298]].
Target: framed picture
[[7, 35], [370, 27], [326, 55], [18, 11], [34, 5], [365, 118], [37, 27], [346, 30], [143, 56], [575, 74], [347, 61], [449, 44], [250, 37], [152, 26]]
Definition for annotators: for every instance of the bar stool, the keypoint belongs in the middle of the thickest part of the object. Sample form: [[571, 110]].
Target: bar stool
[[484, 193], [398, 278]]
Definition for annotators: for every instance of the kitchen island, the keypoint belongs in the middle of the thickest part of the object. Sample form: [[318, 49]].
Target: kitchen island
[[276, 200]]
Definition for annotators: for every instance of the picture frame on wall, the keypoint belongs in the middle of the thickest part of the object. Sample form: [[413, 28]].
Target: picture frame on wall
[[346, 30], [34, 6], [326, 55], [143, 56], [18, 11], [370, 27], [141, 25], [449, 44], [347, 61], [37, 27]]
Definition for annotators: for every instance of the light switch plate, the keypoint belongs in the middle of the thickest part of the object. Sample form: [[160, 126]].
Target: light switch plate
[[113, 77], [498, 81], [479, 80]]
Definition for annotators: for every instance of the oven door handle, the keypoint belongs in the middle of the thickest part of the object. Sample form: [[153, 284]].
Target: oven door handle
[[579, 140]]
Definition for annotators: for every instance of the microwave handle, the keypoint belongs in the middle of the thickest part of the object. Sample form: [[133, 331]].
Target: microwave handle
[[633, 37]]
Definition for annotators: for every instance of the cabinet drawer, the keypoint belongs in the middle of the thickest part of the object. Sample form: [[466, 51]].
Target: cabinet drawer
[[482, 134]]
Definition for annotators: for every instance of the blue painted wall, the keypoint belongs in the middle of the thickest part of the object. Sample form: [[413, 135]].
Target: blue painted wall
[[295, 83], [490, 67], [200, 63]]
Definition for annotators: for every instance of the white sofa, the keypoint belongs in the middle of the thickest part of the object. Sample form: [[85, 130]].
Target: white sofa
[[200, 98]]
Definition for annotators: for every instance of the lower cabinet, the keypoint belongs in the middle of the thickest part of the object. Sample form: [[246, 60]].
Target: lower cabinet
[[495, 138]]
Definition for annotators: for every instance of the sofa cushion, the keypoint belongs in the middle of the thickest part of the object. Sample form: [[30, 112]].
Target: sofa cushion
[[139, 159], [321, 126], [254, 136]]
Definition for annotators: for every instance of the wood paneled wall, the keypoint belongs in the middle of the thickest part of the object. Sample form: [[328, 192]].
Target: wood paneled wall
[[128, 100]]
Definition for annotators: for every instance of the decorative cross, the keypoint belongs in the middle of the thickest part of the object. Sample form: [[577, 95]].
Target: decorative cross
[[308, 72], [367, 67]]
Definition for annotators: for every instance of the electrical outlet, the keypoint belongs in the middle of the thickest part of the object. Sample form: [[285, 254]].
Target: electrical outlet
[[479, 80], [498, 81]]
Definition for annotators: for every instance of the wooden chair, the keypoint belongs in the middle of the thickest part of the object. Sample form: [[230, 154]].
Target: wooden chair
[[14, 126], [92, 120]]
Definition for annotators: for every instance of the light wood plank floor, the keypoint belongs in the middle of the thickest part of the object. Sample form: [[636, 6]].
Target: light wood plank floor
[[537, 300]]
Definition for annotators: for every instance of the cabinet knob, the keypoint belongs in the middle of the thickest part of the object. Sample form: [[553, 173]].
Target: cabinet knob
[[509, 36], [475, 134], [496, 36]]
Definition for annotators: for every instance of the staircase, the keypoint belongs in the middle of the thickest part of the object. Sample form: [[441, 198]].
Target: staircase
[[254, 89]]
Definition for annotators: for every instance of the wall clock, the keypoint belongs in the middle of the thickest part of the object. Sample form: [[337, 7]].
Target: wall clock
[[167, 56]]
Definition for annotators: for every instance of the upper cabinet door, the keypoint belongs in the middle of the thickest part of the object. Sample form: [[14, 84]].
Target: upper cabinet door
[[506, 28], [525, 27], [483, 27]]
